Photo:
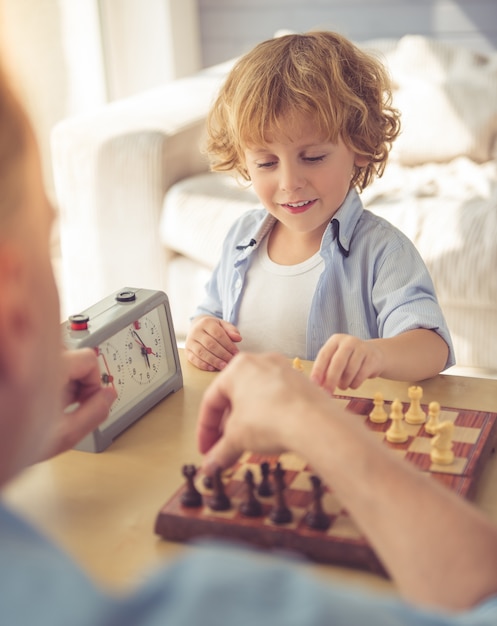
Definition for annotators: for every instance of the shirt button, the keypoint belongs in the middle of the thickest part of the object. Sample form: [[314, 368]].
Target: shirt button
[[238, 283]]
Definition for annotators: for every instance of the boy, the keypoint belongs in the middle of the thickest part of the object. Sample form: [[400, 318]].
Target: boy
[[308, 120]]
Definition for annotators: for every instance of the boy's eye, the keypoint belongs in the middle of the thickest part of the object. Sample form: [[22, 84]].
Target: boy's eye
[[266, 164], [314, 159]]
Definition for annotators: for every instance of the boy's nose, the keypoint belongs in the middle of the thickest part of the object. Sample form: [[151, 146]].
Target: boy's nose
[[290, 179]]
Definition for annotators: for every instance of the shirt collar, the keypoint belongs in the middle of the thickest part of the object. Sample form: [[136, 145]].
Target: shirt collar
[[341, 227], [343, 223], [253, 240]]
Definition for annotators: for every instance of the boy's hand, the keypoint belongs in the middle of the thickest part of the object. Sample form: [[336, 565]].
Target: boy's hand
[[346, 361], [210, 344]]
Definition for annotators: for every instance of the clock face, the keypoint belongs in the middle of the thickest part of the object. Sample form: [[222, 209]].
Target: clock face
[[136, 360]]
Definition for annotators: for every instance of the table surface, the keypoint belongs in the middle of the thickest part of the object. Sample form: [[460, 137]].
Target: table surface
[[102, 507]]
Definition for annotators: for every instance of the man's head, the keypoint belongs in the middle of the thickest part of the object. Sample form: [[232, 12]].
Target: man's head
[[29, 308], [320, 75]]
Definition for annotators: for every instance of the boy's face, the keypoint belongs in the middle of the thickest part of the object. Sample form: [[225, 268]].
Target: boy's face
[[299, 178]]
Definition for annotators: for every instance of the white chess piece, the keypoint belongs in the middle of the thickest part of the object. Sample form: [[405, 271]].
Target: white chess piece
[[378, 415], [396, 433], [433, 415], [415, 414], [441, 444]]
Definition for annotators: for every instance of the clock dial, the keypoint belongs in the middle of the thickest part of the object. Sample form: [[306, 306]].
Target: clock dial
[[144, 348], [111, 368]]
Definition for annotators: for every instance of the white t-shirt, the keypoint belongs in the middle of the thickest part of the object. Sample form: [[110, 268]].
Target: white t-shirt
[[275, 304]]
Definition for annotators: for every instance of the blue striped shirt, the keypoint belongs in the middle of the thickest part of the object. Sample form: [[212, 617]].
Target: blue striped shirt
[[374, 282]]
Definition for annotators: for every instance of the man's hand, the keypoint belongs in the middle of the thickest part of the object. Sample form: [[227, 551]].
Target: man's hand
[[85, 397], [210, 344], [256, 404]]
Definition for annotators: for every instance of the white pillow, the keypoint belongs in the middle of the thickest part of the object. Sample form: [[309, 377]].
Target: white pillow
[[448, 98]]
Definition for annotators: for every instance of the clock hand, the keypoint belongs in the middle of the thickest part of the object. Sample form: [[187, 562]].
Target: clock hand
[[142, 344], [144, 350]]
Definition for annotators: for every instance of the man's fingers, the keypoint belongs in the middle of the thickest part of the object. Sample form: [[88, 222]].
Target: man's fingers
[[82, 419], [221, 455]]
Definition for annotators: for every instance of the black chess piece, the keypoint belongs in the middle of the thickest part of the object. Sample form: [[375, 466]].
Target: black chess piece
[[280, 513], [265, 489], [207, 482], [218, 501], [191, 497], [316, 518], [250, 507]]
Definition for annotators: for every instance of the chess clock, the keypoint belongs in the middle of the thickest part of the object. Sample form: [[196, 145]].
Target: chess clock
[[132, 334]]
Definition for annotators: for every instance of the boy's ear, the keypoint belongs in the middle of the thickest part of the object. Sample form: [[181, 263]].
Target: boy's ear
[[16, 311], [361, 160]]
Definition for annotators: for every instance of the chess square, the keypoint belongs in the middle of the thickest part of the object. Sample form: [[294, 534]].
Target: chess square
[[466, 435], [331, 504], [458, 466], [344, 527], [301, 481], [291, 461]]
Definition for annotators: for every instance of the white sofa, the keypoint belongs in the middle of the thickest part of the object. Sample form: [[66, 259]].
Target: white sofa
[[138, 206]]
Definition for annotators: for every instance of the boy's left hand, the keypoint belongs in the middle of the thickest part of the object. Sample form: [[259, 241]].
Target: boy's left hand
[[345, 362]]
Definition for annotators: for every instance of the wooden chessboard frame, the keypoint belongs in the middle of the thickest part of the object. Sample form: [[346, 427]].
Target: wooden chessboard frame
[[475, 436]]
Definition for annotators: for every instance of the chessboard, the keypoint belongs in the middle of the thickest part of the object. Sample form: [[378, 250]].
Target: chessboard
[[340, 541]]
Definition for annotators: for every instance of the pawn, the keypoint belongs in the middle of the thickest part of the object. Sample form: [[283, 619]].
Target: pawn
[[218, 501], [191, 497], [297, 364], [316, 518], [378, 415], [415, 414], [265, 490], [433, 417], [396, 433], [250, 507], [441, 444]]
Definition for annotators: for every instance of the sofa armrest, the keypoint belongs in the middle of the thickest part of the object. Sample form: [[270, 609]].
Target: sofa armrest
[[111, 171]]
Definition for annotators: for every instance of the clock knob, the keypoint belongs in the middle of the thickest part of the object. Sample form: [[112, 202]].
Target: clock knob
[[126, 296], [79, 322]]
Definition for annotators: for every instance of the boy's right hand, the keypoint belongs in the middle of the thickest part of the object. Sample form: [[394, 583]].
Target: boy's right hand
[[210, 343]]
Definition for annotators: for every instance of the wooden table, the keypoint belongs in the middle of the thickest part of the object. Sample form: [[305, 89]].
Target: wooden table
[[102, 507]]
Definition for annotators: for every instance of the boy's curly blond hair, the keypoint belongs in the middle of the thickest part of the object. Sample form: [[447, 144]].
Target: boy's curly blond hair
[[322, 74]]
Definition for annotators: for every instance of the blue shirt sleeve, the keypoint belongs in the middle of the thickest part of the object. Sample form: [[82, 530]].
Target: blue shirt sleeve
[[221, 586], [213, 585]]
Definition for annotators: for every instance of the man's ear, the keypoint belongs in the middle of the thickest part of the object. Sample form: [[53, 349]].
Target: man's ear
[[16, 313]]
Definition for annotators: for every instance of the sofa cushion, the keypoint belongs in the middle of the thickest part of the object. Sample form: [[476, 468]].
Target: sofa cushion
[[198, 212], [449, 211]]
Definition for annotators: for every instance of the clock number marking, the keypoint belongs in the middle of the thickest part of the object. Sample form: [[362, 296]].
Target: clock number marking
[[144, 350]]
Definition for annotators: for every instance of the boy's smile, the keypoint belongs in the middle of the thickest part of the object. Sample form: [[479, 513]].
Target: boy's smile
[[300, 178], [299, 207]]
